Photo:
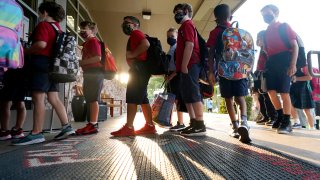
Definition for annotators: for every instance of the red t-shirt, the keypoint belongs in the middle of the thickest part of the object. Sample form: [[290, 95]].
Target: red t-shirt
[[274, 43], [91, 48], [45, 32], [187, 32], [213, 37], [262, 60], [135, 39]]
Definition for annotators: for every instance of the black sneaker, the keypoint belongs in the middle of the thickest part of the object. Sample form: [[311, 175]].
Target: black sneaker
[[177, 127], [262, 121], [244, 132], [191, 125], [276, 124], [234, 132], [270, 122], [194, 132], [285, 128]]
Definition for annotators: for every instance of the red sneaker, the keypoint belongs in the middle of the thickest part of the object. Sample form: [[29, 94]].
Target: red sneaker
[[147, 129], [124, 131], [88, 129]]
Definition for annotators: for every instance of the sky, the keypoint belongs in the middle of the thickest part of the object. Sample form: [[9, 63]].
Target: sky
[[303, 16]]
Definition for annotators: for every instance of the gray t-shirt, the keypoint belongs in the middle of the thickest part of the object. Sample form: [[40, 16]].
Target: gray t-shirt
[[172, 64]]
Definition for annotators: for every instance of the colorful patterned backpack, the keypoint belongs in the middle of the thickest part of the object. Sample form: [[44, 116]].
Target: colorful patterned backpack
[[11, 51], [237, 54]]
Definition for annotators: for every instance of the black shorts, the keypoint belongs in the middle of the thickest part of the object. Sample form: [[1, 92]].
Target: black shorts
[[15, 85], [233, 88], [137, 85], [173, 86], [92, 84], [39, 75], [276, 72], [189, 85]]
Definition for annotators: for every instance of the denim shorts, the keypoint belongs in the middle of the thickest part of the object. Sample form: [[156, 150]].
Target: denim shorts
[[92, 84], [38, 69], [189, 85], [233, 88], [276, 72]]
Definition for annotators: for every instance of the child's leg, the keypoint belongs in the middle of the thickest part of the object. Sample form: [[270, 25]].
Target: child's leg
[[38, 112], [310, 117], [21, 114], [5, 114], [58, 106]]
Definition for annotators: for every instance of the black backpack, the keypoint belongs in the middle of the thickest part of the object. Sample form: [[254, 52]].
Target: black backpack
[[157, 62], [302, 60], [203, 50]]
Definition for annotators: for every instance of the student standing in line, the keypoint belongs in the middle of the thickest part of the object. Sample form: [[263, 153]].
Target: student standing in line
[[136, 55], [280, 67], [41, 51], [173, 78], [92, 75], [188, 65]]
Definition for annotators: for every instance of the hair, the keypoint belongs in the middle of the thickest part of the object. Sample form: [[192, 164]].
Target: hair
[[222, 13], [184, 7], [133, 19], [172, 29], [53, 9], [272, 7]]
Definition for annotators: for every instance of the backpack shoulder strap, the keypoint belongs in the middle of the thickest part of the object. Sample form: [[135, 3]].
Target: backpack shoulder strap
[[283, 34], [103, 52]]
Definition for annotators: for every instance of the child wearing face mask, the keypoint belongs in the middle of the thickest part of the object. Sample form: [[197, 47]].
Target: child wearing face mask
[[188, 67], [136, 94], [92, 75], [173, 78], [280, 67], [41, 51]]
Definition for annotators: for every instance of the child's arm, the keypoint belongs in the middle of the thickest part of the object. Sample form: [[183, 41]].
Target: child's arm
[[188, 49], [91, 60], [307, 76]]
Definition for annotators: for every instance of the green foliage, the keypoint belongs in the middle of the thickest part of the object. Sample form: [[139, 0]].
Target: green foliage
[[154, 84], [249, 101], [222, 107]]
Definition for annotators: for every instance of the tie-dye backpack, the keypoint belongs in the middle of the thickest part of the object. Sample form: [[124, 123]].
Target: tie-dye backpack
[[11, 51]]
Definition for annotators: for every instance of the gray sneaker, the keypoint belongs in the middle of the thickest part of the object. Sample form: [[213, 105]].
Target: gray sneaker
[[243, 131], [65, 132], [30, 139]]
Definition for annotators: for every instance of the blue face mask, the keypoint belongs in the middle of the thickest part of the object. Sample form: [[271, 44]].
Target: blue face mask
[[268, 18]]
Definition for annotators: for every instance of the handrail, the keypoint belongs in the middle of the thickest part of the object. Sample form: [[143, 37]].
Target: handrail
[[309, 60]]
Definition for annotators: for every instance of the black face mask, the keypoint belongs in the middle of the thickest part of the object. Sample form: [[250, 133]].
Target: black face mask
[[171, 41], [126, 29], [178, 17], [268, 18]]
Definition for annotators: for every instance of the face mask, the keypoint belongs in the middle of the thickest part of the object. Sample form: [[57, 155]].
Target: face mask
[[127, 29], [268, 18], [178, 17], [83, 34], [171, 41]]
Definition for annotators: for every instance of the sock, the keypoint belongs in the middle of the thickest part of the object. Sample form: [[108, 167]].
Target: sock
[[280, 114], [243, 118], [286, 118], [93, 123], [235, 124], [151, 125], [296, 121], [65, 126], [199, 124], [192, 122]]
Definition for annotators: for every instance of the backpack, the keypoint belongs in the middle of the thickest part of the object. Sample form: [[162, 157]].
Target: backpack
[[302, 60], [157, 62], [65, 65], [11, 50], [108, 62], [237, 56], [206, 89]]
